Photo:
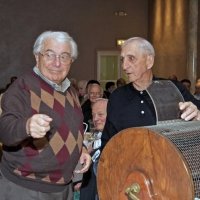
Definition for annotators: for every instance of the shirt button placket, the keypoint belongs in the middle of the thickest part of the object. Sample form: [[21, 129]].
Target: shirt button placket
[[142, 102]]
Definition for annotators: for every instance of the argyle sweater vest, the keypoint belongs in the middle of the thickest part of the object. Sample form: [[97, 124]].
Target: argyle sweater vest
[[47, 162]]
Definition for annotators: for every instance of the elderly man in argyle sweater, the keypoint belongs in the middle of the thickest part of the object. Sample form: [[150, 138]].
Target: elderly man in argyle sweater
[[41, 126]]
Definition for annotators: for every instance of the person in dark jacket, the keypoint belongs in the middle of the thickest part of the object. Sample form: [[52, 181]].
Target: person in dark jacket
[[94, 91], [131, 105], [88, 189]]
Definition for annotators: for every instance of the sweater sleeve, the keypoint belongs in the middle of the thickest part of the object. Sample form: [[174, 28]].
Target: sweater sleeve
[[16, 110]]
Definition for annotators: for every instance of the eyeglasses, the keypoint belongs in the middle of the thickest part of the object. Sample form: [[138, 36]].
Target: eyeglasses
[[94, 93], [64, 58]]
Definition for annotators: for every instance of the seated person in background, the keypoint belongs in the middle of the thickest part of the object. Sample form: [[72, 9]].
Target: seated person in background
[[197, 90], [110, 87], [186, 83], [120, 82], [94, 91], [89, 187], [92, 81], [82, 90], [131, 105]]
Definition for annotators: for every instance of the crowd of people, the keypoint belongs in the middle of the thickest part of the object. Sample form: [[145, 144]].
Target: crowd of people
[[44, 111]]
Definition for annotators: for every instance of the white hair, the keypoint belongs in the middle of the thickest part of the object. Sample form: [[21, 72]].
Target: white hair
[[59, 36], [143, 44], [100, 100]]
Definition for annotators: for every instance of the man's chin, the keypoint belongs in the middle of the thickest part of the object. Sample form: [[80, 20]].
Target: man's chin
[[99, 128], [56, 80], [131, 79]]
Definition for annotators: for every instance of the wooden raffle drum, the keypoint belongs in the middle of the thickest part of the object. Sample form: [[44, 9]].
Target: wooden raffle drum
[[160, 162]]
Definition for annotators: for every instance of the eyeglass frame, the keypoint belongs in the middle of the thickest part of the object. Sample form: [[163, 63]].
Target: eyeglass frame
[[55, 56], [94, 93]]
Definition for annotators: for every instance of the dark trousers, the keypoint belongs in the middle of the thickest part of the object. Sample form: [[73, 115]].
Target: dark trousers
[[88, 189], [12, 191]]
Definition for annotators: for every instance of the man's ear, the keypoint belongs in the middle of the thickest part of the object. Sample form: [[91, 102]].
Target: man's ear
[[150, 61], [37, 59], [72, 60]]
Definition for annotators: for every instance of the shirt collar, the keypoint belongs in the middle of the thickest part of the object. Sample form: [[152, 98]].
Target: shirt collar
[[60, 88]]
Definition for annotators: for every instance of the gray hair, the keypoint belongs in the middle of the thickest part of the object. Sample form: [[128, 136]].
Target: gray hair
[[59, 36], [143, 44], [101, 100]]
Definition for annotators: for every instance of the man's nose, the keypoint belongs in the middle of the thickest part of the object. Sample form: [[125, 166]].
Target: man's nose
[[95, 117], [57, 61], [124, 64]]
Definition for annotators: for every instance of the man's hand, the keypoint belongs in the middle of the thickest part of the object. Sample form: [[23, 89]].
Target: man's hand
[[38, 125], [189, 111], [85, 160]]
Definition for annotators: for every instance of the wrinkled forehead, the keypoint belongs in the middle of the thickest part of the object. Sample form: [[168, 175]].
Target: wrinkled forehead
[[99, 106], [94, 88], [132, 48], [51, 43]]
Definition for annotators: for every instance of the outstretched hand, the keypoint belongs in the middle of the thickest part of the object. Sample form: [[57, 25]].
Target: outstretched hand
[[38, 125]]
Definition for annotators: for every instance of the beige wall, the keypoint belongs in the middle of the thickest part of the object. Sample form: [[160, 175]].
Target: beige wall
[[173, 35], [91, 23], [168, 32]]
